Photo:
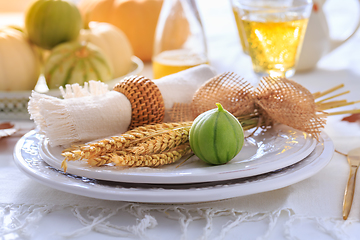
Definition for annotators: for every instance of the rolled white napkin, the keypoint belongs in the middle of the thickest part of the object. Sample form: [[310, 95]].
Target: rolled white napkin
[[92, 111]]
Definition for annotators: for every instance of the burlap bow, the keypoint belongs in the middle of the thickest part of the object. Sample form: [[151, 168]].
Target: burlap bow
[[274, 100]]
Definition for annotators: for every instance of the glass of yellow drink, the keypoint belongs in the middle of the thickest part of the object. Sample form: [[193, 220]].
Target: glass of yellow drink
[[179, 39], [173, 61], [274, 31], [241, 30]]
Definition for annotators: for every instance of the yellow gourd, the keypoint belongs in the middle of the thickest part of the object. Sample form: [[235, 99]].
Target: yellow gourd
[[136, 18], [113, 43], [19, 61]]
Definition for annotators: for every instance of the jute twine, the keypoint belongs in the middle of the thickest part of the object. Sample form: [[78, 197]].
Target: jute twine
[[147, 104], [275, 100]]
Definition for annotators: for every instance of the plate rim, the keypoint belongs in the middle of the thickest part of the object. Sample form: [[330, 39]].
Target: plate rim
[[180, 177], [178, 195]]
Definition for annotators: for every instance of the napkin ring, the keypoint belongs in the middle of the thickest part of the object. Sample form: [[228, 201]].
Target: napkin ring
[[147, 104]]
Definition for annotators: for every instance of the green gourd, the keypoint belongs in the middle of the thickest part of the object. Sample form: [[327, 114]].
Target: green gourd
[[51, 22], [216, 136], [76, 62]]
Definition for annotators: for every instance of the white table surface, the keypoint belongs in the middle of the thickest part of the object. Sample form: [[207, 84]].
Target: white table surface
[[340, 66]]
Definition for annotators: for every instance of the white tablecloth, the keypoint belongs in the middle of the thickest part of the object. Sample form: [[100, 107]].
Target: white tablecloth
[[311, 209]]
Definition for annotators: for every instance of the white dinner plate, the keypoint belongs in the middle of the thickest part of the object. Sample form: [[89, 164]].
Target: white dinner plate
[[264, 152], [28, 159]]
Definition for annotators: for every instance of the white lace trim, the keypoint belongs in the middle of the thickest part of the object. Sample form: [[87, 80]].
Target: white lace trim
[[22, 220]]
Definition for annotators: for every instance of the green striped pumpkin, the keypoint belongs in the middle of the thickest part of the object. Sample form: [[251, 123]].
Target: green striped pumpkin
[[216, 136], [75, 62], [51, 22]]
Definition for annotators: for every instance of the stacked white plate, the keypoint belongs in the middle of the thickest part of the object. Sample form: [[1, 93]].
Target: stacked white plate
[[269, 160]]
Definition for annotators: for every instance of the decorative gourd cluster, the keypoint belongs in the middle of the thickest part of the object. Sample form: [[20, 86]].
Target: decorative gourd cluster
[[58, 41]]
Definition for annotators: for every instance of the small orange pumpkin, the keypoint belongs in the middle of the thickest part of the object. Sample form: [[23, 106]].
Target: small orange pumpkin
[[136, 18]]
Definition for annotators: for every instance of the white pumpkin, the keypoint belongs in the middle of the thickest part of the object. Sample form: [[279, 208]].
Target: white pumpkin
[[113, 43], [19, 62]]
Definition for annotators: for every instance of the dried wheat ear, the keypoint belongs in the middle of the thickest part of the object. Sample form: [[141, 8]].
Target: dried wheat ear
[[150, 146]]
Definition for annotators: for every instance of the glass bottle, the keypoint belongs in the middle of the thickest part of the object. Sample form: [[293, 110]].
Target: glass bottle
[[179, 39]]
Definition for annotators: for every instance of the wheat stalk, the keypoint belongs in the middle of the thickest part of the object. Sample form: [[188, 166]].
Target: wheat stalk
[[137, 141], [167, 140], [151, 160], [124, 158], [128, 139]]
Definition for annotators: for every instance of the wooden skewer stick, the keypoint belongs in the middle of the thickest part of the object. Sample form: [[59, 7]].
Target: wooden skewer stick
[[339, 113], [334, 105], [338, 102], [328, 98], [320, 94]]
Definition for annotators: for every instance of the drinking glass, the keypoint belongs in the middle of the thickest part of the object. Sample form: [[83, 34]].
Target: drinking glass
[[272, 33]]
